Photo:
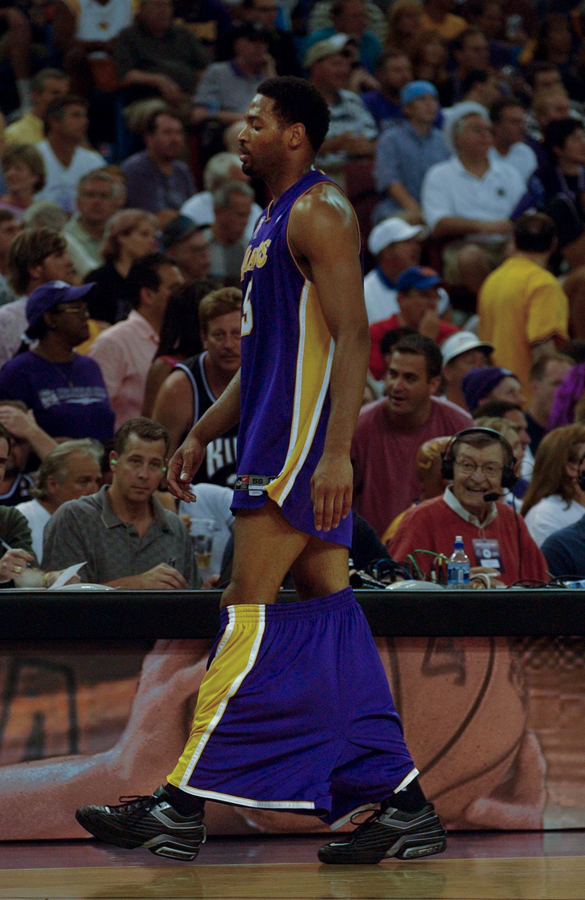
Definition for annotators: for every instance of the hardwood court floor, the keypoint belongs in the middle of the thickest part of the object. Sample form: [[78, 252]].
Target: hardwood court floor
[[549, 866]]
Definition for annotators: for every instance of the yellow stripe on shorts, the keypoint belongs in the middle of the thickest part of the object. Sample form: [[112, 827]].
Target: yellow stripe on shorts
[[235, 657]]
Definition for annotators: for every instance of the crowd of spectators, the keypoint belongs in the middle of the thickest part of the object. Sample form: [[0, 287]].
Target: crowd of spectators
[[458, 133]]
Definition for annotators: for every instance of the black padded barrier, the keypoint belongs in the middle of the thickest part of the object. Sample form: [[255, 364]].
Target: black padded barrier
[[134, 615]]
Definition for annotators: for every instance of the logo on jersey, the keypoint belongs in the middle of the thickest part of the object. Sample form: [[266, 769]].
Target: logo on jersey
[[255, 257]]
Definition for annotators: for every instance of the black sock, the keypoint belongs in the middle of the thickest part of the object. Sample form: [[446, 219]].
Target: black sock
[[185, 804], [409, 800]]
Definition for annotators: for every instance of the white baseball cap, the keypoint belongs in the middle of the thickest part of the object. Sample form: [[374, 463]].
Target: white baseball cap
[[461, 342], [453, 114], [330, 46], [391, 231]]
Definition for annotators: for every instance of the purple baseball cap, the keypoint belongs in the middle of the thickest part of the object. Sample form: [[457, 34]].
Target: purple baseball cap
[[478, 383], [48, 295], [420, 277]]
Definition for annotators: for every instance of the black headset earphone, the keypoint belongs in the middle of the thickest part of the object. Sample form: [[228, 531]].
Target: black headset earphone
[[509, 478]]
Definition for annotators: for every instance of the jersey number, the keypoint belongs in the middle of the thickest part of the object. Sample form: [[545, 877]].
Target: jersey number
[[247, 314]]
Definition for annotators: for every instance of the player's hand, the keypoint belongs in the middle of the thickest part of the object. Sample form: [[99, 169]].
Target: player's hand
[[331, 491], [183, 466]]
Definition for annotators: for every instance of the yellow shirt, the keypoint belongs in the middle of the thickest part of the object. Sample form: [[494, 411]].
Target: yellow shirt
[[29, 129], [521, 304], [449, 28]]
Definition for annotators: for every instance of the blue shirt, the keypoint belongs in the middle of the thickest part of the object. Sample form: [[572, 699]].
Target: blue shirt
[[564, 550], [67, 399], [384, 111], [403, 155]]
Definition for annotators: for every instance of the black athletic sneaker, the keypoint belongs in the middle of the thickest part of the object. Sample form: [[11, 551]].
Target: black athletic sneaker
[[149, 822], [389, 833]]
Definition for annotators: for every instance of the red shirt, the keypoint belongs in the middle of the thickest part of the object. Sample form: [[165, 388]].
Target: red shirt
[[379, 329], [433, 525]]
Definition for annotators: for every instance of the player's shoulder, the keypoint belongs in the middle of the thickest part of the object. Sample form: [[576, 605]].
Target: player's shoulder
[[323, 199]]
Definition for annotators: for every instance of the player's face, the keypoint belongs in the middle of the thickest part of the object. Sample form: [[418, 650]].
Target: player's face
[[139, 469], [261, 140], [222, 342]]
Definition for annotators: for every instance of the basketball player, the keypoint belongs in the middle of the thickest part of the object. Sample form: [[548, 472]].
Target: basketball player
[[294, 712]]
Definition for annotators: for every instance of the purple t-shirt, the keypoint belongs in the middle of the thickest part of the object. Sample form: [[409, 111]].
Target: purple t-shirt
[[67, 399], [150, 189]]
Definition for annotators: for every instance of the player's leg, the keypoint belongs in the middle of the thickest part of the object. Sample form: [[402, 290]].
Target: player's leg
[[170, 822], [406, 826]]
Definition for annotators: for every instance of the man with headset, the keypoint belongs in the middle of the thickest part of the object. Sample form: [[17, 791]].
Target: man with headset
[[479, 464], [122, 534]]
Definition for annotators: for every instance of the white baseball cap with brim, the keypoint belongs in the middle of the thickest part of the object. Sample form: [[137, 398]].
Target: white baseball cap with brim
[[392, 231], [461, 342], [328, 47], [453, 114]]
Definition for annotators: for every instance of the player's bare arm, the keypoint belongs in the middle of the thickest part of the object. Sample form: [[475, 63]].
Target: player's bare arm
[[219, 418], [324, 238]]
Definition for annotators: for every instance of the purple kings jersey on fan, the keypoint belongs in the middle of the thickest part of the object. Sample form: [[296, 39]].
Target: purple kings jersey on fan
[[287, 351]]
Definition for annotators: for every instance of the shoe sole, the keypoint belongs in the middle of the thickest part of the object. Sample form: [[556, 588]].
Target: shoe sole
[[405, 848], [160, 844]]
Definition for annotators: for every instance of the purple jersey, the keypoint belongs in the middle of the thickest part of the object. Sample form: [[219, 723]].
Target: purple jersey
[[287, 351]]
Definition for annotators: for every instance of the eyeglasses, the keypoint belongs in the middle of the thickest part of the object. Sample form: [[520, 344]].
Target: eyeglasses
[[77, 309], [492, 470]]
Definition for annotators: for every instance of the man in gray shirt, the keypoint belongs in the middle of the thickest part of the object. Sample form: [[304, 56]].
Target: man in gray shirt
[[126, 538], [232, 203]]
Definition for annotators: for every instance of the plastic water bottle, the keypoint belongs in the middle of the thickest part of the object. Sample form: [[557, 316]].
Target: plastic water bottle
[[458, 568]]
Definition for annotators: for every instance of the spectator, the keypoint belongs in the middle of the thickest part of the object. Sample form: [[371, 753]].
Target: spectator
[[470, 198], [550, 105], [16, 34], [564, 550], [546, 375], [438, 16], [461, 352], [478, 465], [556, 187], [26, 439], [429, 59], [96, 204], [396, 246], [226, 88], [179, 338], [84, 34], [126, 537], [194, 385], [157, 180], [232, 203], [46, 86], [221, 168], [514, 415], [188, 247], [470, 51], [154, 57], [480, 86], [505, 427], [9, 228], [393, 72], [390, 431], [23, 170], [405, 152], [349, 19], [130, 236], [281, 44], [71, 470], [34, 257], [125, 351], [417, 297], [65, 391], [63, 151], [46, 214], [555, 498], [352, 130], [490, 383], [404, 24], [121, 194], [209, 20], [542, 76], [509, 131], [523, 311]]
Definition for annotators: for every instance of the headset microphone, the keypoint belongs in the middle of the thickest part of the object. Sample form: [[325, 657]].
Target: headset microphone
[[491, 496]]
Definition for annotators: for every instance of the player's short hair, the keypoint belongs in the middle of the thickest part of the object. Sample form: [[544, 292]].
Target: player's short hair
[[296, 100], [55, 463], [143, 428], [419, 345], [534, 233], [219, 303], [31, 248]]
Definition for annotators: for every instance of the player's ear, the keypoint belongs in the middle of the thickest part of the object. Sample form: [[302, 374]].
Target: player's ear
[[297, 134]]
